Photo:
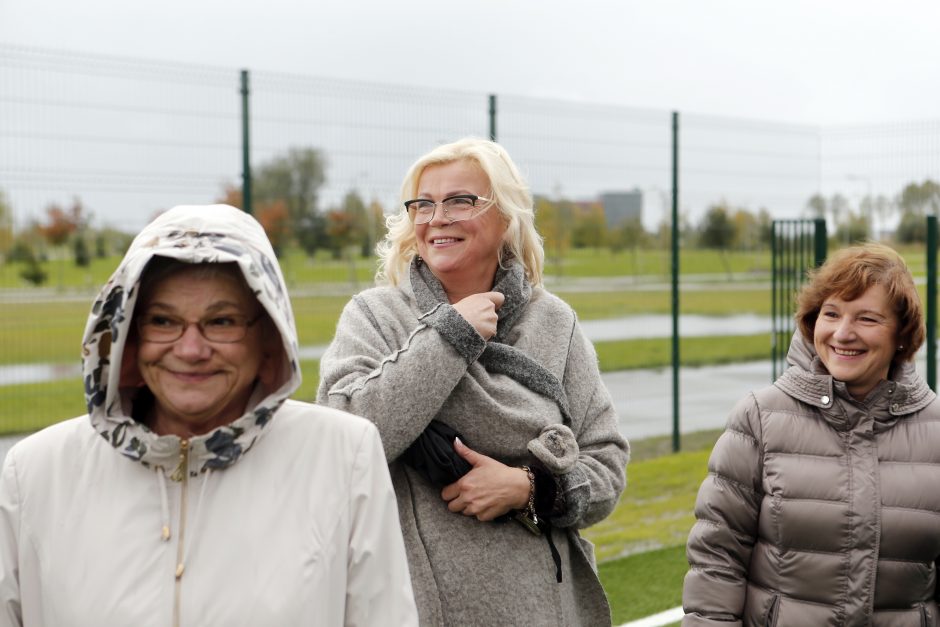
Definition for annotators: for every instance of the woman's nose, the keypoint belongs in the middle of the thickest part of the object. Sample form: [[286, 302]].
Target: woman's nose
[[440, 216], [845, 329], [191, 343]]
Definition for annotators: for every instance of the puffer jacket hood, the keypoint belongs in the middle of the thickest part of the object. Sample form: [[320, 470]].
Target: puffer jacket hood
[[807, 380], [192, 234]]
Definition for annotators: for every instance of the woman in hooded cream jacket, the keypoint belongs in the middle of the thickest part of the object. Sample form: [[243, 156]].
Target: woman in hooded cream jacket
[[195, 492], [821, 507]]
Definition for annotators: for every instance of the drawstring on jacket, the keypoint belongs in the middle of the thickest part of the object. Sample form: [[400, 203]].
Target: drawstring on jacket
[[164, 505], [197, 513]]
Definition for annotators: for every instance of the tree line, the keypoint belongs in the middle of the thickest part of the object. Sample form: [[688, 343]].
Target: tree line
[[286, 201]]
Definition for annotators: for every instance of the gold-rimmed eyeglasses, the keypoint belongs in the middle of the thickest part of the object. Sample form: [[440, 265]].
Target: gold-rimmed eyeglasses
[[224, 328], [455, 208]]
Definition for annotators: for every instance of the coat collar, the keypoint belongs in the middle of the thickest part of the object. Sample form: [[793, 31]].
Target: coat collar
[[807, 380], [509, 280]]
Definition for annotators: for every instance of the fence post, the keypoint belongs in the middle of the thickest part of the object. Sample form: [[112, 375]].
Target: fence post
[[493, 117], [246, 150], [793, 251], [675, 282], [774, 334], [822, 242], [932, 302]]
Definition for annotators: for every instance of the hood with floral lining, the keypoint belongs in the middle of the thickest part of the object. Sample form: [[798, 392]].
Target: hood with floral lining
[[192, 234]]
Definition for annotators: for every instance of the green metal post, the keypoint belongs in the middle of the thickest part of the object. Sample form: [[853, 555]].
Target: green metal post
[[675, 281], [932, 302], [493, 117], [775, 330], [246, 150], [822, 242]]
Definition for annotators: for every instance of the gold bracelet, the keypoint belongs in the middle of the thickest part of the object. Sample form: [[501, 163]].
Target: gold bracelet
[[530, 506], [526, 517]]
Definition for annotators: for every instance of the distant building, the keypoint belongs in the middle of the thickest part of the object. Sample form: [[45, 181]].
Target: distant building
[[619, 207]]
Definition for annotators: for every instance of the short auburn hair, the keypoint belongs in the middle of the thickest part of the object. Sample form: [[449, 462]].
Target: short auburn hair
[[848, 274]]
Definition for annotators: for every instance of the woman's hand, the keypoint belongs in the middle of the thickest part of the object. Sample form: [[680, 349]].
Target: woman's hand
[[480, 311], [489, 490]]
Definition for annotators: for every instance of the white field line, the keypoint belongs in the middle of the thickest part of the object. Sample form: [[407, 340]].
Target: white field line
[[658, 620]]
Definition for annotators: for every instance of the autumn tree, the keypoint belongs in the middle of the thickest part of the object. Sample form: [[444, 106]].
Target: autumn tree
[[60, 223], [348, 224], [631, 236], [6, 228], [915, 202], [64, 225], [838, 206], [375, 227], [854, 228], [231, 195], [590, 226], [553, 221], [295, 178], [716, 231], [816, 206], [275, 221]]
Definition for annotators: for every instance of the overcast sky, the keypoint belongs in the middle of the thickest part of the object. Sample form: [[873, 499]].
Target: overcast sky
[[806, 61]]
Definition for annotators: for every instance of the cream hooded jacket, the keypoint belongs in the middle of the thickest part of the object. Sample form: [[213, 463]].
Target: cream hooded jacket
[[286, 516]]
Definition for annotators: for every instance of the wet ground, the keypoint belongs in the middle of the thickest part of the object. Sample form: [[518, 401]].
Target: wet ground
[[632, 327]]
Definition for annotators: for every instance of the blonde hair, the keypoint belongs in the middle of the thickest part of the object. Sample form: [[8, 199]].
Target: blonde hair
[[507, 188], [848, 274]]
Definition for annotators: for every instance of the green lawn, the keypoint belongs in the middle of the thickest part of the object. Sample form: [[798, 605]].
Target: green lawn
[[641, 546], [645, 583], [299, 269]]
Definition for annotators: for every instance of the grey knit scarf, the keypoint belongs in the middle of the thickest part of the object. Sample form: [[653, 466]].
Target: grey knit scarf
[[497, 357]]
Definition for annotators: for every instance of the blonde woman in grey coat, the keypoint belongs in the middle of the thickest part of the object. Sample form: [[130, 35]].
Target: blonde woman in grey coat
[[821, 506], [501, 437]]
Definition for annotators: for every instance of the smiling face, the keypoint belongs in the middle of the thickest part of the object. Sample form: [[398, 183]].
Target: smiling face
[[857, 339], [462, 255], [199, 385]]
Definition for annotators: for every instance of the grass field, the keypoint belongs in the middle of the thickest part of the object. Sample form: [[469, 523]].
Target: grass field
[[641, 546], [322, 268]]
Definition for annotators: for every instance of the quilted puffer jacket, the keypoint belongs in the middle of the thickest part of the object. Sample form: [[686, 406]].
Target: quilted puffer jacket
[[819, 509]]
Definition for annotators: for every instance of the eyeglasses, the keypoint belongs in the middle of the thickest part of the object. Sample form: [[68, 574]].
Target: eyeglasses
[[225, 328], [456, 208]]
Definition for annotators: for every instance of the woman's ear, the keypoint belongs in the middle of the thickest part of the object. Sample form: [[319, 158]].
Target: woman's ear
[[271, 373], [130, 373]]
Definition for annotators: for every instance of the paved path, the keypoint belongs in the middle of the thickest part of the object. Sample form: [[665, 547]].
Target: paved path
[[643, 398]]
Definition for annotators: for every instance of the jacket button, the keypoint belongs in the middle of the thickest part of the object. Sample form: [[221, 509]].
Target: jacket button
[[824, 399], [895, 407]]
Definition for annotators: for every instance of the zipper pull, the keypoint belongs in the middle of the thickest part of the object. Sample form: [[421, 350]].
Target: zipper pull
[[183, 467]]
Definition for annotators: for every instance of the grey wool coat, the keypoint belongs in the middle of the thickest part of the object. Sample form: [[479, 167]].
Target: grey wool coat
[[403, 356], [820, 509]]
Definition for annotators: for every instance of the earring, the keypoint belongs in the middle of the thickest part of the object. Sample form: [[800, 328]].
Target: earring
[[900, 347]]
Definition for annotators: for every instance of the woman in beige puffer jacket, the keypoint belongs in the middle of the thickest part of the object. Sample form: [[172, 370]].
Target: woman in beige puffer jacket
[[822, 501]]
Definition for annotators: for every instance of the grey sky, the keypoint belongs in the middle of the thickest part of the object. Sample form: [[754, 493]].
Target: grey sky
[[806, 61]]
